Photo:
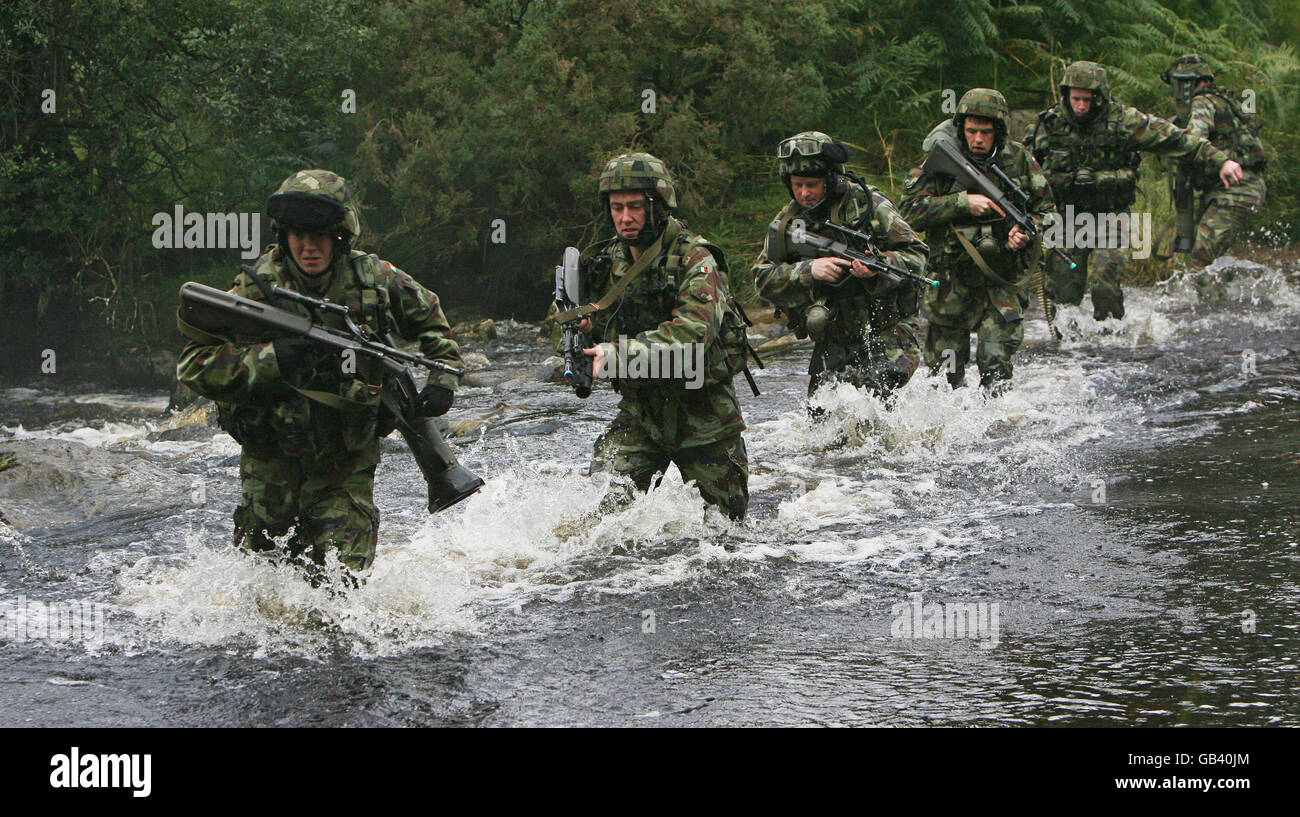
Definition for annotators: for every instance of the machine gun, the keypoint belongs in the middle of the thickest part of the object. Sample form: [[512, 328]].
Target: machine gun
[[568, 291], [210, 315]]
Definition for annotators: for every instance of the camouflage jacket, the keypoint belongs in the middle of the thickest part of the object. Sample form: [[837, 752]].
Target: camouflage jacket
[[1109, 145], [785, 279], [1218, 117], [680, 301], [939, 206], [268, 412]]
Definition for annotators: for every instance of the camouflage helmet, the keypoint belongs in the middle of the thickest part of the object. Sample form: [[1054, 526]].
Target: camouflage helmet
[[313, 201], [1188, 65], [638, 171], [1089, 76], [810, 153], [985, 103]]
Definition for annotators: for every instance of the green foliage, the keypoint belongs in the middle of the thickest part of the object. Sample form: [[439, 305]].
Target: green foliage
[[474, 111]]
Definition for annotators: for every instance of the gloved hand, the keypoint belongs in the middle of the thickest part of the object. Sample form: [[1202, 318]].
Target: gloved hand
[[434, 401], [297, 355]]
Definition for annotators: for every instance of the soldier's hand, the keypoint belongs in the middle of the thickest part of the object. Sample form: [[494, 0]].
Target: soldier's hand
[[830, 270], [981, 205], [1230, 173], [584, 326], [861, 270], [1016, 238], [434, 400], [597, 354]]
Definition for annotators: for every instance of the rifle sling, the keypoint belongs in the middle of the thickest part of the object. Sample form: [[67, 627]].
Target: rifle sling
[[979, 260], [666, 238]]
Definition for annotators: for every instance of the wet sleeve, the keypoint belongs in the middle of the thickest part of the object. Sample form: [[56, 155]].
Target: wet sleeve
[[418, 316]]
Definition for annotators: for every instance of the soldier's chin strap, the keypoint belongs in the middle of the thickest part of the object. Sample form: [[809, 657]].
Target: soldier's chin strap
[[643, 263]]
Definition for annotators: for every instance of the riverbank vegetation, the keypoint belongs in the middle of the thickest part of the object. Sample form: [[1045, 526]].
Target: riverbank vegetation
[[473, 130]]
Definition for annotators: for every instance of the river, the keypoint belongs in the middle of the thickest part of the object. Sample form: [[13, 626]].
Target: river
[[1118, 533]]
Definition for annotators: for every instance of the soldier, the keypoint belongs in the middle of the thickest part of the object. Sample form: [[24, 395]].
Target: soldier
[[979, 255], [1217, 116], [864, 325], [1089, 146], [309, 426], [676, 298]]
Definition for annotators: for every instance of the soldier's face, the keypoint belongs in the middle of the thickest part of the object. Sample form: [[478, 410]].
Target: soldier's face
[[979, 135], [808, 190], [1080, 101], [628, 210], [311, 251]]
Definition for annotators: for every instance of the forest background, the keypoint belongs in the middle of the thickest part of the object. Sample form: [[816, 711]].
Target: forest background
[[464, 122]]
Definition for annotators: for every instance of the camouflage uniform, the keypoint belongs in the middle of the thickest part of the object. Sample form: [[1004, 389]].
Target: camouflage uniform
[[1092, 166], [681, 298], [871, 341], [1216, 115], [310, 437], [967, 299]]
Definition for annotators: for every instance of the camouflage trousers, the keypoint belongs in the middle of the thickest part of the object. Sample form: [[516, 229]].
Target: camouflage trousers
[[879, 362], [720, 469], [1108, 260], [1066, 286], [963, 304], [326, 505], [1223, 215]]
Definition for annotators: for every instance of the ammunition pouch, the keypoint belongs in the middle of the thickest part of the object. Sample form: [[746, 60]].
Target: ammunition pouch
[[818, 318]]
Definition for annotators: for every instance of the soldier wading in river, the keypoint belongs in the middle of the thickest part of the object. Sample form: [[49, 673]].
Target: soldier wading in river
[[678, 297], [978, 256], [309, 427], [1090, 146], [864, 324], [1217, 115]]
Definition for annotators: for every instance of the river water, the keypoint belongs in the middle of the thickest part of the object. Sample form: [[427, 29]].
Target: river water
[[1120, 529]]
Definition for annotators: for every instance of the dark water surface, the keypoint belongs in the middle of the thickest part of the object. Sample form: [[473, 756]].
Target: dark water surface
[[1130, 507]]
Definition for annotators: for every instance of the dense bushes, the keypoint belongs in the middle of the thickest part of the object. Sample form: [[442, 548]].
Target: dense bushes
[[472, 111]]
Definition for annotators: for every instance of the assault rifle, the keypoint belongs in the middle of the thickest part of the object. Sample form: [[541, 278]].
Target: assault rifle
[[568, 294], [207, 314], [945, 159], [809, 244]]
